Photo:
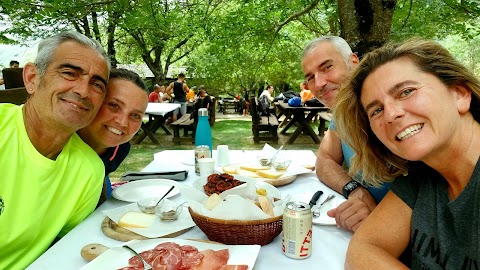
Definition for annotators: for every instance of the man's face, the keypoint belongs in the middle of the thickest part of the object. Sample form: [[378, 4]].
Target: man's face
[[270, 89], [325, 70], [73, 87]]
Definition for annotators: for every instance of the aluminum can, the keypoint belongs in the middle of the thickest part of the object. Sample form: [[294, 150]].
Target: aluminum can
[[297, 230], [201, 151]]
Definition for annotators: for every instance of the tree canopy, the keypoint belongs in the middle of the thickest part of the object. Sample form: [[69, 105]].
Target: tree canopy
[[230, 45]]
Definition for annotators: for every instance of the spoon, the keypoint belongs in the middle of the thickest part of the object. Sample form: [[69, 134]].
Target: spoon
[[146, 266], [165, 195], [316, 212], [273, 157]]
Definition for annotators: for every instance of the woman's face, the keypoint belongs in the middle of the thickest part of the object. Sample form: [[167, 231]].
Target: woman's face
[[411, 112], [120, 115]]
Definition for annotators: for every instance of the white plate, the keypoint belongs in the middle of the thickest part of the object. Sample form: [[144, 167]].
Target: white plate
[[323, 219], [117, 257], [159, 228], [271, 190], [142, 189], [283, 180]]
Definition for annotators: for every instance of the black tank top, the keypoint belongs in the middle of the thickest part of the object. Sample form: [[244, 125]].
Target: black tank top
[[179, 93]]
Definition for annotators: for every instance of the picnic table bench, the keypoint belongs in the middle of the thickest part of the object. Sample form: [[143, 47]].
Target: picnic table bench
[[187, 125], [264, 128]]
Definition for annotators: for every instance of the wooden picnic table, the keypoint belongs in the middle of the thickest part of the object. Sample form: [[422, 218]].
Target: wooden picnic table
[[301, 115], [156, 112]]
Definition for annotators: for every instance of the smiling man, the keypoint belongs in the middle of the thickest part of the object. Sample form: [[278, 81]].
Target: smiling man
[[327, 62], [51, 180]]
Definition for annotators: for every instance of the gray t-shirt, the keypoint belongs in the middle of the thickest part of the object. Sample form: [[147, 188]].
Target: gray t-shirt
[[444, 233]]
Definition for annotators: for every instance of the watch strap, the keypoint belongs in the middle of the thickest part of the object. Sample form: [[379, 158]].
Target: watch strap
[[350, 187]]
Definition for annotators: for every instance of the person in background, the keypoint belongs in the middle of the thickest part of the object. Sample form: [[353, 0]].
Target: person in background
[[268, 92], [117, 121], [203, 98], [13, 64], [327, 61], [154, 96], [178, 90], [305, 94], [51, 179], [191, 94], [415, 107]]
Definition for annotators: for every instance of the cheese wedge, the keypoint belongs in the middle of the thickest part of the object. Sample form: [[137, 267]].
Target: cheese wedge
[[265, 204], [230, 169], [269, 174], [212, 201], [136, 220], [247, 173], [254, 168]]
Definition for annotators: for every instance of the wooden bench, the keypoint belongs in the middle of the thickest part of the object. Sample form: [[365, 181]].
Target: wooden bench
[[187, 125], [324, 117], [264, 128], [16, 96]]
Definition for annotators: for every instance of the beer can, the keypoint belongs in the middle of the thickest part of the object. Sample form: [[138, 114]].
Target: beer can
[[297, 230], [201, 151]]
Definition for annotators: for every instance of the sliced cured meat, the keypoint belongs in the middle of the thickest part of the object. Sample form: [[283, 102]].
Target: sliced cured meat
[[148, 256], [167, 245], [234, 267], [213, 260], [191, 257], [172, 259]]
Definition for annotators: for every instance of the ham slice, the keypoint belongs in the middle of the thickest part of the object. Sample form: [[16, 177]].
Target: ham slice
[[171, 256], [213, 260]]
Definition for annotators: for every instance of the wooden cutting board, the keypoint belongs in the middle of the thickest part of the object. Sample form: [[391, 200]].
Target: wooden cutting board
[[112, 230]]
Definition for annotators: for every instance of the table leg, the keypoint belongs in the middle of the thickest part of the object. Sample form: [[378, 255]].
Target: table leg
[[146, 132], [299, 116], [293, 120]]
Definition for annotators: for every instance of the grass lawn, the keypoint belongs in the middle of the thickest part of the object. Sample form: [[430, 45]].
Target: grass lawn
[[236, 134]]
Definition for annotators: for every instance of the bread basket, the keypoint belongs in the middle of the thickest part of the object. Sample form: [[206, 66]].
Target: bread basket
[[239, 232]]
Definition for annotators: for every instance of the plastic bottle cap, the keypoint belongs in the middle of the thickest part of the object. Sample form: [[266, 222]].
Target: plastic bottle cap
[[202, 112]]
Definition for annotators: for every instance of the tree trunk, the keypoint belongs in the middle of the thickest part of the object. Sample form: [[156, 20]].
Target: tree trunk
[[365, 24]]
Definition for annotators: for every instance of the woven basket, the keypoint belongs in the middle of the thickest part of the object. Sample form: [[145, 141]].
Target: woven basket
[[239, 232]]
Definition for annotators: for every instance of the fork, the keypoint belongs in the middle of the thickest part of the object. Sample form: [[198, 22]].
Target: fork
[[146, 266], [316, 212]]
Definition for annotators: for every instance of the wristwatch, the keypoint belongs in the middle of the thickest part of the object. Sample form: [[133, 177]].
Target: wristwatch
[[349, 187]]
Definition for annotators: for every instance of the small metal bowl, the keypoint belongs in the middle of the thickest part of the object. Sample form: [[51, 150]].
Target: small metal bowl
[[148, 205], [264, 161]]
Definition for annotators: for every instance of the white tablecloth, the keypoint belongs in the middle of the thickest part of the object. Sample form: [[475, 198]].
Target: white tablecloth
[[329, 242], [161, 108]]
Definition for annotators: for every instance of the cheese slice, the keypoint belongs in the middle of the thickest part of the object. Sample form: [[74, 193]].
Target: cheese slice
[[269, 174], [247, 173], [230, 169], [254, 168], [136, 220]]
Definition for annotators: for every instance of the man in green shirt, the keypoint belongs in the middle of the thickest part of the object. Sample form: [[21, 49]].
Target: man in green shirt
[[51, 180]]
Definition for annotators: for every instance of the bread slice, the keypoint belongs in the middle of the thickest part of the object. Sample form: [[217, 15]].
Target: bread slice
[[269, 174], [136, 220], [230, 170], [212, 201], [247, 173], [265, 204], [254, 168]]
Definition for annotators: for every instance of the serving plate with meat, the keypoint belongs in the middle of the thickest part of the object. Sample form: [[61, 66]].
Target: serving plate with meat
[[203, 185], [190, 254]]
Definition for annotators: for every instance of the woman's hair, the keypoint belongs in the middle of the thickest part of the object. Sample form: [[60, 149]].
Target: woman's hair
[[47, 47], [125, 74], [376, 162]]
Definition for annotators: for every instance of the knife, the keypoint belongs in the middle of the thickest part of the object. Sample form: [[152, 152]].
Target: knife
[[315, 198]]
